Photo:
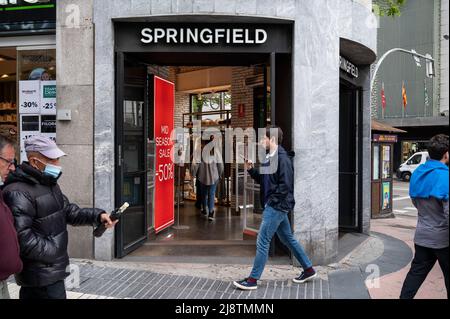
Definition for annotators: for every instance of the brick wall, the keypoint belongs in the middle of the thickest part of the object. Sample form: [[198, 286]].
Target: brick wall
[[240, 94]]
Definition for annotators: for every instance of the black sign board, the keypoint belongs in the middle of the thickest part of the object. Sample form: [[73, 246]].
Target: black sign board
[[48, 124], [203, 37], [22, 17]]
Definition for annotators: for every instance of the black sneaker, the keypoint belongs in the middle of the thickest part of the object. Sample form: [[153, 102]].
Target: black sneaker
[[304, 277], [245, 284], [211, 216]]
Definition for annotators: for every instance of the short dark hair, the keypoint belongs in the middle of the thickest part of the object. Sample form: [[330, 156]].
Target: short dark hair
[[275, 131], [438, 146], [4, 141]]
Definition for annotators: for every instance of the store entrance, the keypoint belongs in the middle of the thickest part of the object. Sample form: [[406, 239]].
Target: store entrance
[[220, 93], [221, 72], [350, 164]]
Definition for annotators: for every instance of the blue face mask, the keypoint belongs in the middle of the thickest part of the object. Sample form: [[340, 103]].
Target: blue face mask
[[52, 170]]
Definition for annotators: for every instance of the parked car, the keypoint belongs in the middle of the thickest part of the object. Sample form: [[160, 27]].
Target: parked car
[[407, 168]]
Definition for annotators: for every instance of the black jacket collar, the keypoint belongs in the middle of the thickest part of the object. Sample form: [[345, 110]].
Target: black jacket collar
[[28, 174]]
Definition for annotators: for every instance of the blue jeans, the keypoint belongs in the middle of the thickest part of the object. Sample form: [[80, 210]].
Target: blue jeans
[[275, 221], [208, 194]]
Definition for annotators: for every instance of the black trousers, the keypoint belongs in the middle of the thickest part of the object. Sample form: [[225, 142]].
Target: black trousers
[[53, 291], [424, 260]]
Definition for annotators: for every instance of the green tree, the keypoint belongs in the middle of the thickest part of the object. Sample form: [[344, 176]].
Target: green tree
[[390, 8]]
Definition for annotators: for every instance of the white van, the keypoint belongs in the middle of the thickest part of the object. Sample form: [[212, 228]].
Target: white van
[[407, 168]]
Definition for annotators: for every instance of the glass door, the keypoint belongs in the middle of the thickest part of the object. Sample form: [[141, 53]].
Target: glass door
[[131, 153], [386, 178], [349, 157]]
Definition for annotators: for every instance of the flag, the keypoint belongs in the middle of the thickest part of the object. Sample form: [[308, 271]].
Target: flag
[[383, 97], [404, 96]]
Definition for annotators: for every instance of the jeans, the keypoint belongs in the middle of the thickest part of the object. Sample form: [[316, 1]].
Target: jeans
[[4, 293], [198, 193], [424, 260], [208, 194], [53, 291], [275, 221]]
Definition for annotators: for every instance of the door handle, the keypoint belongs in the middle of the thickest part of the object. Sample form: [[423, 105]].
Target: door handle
[[119, 160]]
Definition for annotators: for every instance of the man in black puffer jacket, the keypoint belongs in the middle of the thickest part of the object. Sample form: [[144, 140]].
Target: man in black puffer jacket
[[41, 213]]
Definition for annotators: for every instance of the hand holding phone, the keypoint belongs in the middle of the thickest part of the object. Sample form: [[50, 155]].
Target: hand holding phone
[[248, 163]]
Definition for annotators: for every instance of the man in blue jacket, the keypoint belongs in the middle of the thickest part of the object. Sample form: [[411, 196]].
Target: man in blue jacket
[[276, 179], [429, 193]]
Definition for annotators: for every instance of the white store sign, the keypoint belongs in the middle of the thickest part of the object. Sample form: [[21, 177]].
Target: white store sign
[[48, 97], [29, 97]]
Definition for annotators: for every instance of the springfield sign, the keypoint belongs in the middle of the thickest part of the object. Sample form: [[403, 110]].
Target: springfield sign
[[205, 36], [348, 67]]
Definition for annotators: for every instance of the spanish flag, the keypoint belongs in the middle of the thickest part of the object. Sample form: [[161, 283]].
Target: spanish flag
[[404, 96]]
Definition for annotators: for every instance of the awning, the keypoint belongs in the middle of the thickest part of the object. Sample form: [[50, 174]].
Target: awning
[[381, 127]]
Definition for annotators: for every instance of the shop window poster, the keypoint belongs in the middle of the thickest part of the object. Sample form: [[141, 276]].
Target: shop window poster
[[386, 200], [386, 162]]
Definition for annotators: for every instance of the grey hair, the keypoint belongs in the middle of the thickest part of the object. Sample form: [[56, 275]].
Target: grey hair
[[4, 141]]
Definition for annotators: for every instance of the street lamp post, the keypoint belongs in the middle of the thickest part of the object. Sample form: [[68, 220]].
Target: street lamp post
[[428, 58]]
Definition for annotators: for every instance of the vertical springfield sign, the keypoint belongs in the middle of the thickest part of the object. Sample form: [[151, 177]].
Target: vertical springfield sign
[[163, 103]]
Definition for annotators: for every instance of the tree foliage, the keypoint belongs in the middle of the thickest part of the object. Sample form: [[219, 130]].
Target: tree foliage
[[390, 8]]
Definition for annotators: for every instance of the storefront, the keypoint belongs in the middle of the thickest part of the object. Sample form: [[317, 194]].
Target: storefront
[[383, 170], [27, 70], [247, 68]]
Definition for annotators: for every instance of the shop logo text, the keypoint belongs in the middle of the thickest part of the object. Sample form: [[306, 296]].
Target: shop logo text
[[203, 36]]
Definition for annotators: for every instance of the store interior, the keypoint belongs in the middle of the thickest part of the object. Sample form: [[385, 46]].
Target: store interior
[[221, 97], [8, 92], [16, 65]]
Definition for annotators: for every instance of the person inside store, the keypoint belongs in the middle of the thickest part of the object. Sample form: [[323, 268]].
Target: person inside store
[[10, 262], [40, 74], [42, 212], [208, 172], [276, 180]]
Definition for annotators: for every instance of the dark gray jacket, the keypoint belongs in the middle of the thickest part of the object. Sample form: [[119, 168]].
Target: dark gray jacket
[[432, 224]]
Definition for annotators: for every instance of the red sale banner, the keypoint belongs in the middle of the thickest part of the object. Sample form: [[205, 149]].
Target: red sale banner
[[164, 101]]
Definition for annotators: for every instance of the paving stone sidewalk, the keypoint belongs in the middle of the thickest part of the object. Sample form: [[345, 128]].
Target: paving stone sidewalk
[[137, 284]]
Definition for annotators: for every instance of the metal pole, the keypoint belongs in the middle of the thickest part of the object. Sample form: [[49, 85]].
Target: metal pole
[[178, 226], [427, 58]]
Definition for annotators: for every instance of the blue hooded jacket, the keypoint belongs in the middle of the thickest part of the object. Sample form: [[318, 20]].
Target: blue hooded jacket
[[430, 180]]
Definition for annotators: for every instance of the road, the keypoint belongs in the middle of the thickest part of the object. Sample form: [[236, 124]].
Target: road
[[402, 203]]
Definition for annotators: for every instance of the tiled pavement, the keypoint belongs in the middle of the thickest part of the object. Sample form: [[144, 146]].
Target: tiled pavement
[[107, 282], [135, 284]]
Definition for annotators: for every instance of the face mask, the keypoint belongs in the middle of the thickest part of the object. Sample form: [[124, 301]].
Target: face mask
[[52, 170]]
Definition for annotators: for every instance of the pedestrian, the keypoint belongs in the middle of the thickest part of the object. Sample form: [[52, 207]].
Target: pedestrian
[[429, 193], [276, 180], [42, 212], [209, 172], [10, 262]]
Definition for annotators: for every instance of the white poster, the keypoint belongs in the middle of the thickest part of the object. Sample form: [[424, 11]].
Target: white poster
[[48, 97], [29, 97]]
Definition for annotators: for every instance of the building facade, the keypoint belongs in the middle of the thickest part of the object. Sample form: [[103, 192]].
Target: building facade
[[318, 74], [422, 26]]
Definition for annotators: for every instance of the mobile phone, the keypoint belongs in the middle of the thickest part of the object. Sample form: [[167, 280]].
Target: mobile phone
[[243, 157]]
